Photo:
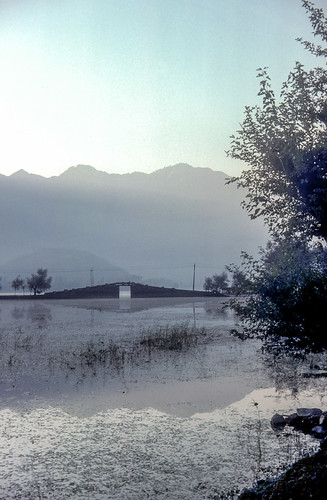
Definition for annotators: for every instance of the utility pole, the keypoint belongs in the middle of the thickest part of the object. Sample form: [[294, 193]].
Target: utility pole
[[193, 277], [91, 277]]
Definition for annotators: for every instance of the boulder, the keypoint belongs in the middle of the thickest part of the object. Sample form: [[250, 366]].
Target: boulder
[[318, 431], [293, 419], [277, 420], [307, 420], [308, 412], [306, 424], [323, 420]]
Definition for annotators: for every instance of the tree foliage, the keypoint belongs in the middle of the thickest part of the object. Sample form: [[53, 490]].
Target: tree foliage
[[319, 25], [284, 143], [217, 283], [286, 291], [39, 282], [240, 281], [17, 283]]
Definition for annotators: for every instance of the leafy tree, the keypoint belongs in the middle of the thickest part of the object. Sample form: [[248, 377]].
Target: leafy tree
[[17, 283], [287, 286], [285, 143], [208, 284], [220, 281], [39, 282], [217, 283]]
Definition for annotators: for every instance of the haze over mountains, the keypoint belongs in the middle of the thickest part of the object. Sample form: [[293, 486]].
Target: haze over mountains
[[151, 225]]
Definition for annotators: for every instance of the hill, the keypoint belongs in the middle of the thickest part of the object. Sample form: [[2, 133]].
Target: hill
[[137, 290], [68, 268], [154, 225]]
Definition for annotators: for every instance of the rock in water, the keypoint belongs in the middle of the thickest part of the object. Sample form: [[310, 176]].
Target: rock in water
[[308, 412], [277, 420]]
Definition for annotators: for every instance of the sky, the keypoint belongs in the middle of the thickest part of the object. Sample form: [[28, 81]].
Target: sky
[[137, 85]]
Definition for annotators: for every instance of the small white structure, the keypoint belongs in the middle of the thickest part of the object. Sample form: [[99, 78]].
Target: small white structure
[[125, 292]]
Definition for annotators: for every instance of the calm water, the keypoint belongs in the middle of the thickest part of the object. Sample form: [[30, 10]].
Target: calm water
[[90, 408]]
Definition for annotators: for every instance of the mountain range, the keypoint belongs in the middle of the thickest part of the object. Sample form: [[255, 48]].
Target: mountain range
[[155, 226]]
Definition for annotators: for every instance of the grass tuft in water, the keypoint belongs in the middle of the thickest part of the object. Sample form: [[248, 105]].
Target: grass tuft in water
[[172, 338]]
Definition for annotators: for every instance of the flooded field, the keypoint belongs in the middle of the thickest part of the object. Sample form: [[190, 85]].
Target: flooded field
[[142, 398]]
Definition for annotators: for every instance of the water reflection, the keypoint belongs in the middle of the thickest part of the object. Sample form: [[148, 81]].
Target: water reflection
[[37, 313], [40, 314], [18, 312], [125, 303], [217, 312], [296, 371], [97, 362], [86, 342], [212, 307], [48, 453], [131, 377]]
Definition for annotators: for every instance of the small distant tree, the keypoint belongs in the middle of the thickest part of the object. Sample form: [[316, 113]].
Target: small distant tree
[[217, 283], [220, 282], [39, 282], [17, 283], [208, 284]]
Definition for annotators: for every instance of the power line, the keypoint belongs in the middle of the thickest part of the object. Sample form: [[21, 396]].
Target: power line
[[141, 268], [157, 267]]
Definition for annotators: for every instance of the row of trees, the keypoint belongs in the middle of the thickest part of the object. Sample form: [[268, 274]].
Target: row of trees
[[219, 283], [284, 142], [37, 283]]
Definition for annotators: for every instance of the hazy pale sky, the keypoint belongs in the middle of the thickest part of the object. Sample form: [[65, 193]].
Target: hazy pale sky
[[136, 85]]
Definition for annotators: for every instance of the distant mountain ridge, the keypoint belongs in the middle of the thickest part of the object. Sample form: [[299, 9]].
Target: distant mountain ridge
[[153, 225], [68, 268], [82, 174]]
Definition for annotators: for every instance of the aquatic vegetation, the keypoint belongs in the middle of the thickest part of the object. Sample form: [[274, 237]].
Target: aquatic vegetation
[[113, 355], [172, 338]]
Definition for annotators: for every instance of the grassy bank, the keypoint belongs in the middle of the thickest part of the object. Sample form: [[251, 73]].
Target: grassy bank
[[306, 479]]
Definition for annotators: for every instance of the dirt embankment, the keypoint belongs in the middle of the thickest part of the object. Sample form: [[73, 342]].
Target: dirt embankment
[[306, 479]]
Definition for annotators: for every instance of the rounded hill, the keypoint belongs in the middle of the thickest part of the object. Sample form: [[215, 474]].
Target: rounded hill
[[69, 268]]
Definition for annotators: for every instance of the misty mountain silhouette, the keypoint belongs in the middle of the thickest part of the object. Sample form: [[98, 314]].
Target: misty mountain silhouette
[[153, 225], [69, 268]]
